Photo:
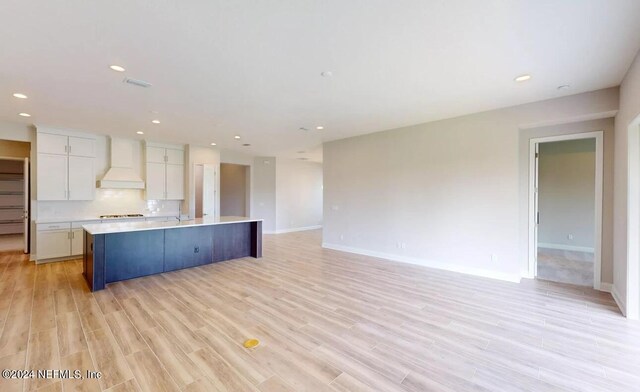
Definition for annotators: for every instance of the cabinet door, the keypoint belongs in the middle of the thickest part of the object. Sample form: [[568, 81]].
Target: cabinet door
[[155, 154], [175, 157], [77, 242], [51, 244], [175, 182], [156, 179], [81, 147], [82, 180], [52, 177], [52, 144]]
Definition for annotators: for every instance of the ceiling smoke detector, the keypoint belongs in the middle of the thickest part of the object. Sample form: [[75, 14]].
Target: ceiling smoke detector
[[137, 82]]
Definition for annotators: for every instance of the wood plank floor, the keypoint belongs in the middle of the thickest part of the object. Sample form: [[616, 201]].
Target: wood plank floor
[[327, 321]]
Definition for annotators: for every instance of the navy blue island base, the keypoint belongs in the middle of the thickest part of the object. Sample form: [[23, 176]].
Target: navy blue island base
[[111, 255]]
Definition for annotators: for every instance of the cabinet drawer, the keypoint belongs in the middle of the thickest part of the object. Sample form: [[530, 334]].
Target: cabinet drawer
[[53, 226], [11, 228]]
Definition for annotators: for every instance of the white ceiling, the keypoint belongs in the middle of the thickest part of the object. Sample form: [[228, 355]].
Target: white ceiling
[[252, 68]]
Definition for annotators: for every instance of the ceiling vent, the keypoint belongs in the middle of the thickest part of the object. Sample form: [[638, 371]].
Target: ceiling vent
[[137, 82]]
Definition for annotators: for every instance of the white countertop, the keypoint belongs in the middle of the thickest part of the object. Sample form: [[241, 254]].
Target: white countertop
[[95, 218], [123, 227]]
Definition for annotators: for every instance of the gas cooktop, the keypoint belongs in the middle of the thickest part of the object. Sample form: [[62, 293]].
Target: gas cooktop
[[115, 216]]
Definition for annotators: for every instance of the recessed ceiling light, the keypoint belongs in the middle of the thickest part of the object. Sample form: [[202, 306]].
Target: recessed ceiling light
[[24, 114], [20, 95], [117, 68], [236, 137], [326, 74], [303, 129], [140, 133], [213, 144], [155, 121], [246, 144], [303, 159], [564, 87], [301, 152], [522, 78], [319, 127]]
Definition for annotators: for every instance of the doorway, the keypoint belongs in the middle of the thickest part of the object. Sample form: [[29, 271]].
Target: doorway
[[205, 194], [234, 190], [14, 204], [566, 208]]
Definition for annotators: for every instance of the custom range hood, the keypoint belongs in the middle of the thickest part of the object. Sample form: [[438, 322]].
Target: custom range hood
[[121, 174]]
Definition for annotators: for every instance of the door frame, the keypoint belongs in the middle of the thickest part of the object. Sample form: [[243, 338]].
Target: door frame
[[629, 301], [533, 248], [27, 202]]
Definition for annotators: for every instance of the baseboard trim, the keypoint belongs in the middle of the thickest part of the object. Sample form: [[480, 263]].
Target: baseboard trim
[[566, 247], [426, 263], [282, 231], [616, 297]]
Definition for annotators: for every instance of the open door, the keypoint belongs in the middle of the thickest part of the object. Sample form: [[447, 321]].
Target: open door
[[209, 190], [26, 205], [536, 205]]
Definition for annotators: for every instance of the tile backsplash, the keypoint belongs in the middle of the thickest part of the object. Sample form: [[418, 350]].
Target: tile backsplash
[[106, 201]]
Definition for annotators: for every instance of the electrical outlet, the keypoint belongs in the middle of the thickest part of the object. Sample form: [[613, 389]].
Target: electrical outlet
[[570, 236], [403, 245], [494, 257], [341, 237], [196, 249]]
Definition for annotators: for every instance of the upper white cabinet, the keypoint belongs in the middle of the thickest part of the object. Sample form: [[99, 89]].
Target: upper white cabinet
[[165, 172], [65, 166]]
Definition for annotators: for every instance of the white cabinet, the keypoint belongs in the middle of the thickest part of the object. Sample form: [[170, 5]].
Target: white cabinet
[[65, 167], [82, 179], [175, 182], [81, 147], [52, 144], [165, 172], [52, 244], [52, 171], [77, 242]]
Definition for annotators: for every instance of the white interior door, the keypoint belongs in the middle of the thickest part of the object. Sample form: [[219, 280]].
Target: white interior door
[[25, 216], [536, 207], [209, 190]]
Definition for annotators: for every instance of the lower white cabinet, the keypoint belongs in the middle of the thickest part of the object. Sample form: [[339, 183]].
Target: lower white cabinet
[[53, 244], [77, 242]]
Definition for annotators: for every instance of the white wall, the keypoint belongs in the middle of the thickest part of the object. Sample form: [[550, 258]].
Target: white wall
[[264, 192], [607, 126], [629, 111], [566, 183], [444, 193], [298, 195]]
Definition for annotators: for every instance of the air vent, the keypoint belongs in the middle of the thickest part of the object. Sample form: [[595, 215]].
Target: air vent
[[137, 82]]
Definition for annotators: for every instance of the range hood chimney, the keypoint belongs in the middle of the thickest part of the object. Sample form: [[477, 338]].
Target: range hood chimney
[[121, 174]]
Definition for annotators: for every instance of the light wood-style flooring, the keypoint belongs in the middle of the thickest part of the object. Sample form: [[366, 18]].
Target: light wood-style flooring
[[327, 321]]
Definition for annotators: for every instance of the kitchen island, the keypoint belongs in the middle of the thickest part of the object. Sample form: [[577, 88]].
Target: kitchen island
[[126, 250]]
